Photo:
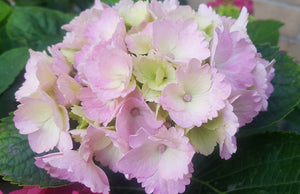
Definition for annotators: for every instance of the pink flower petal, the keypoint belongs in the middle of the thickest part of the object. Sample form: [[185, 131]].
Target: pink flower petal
[[235, 58], [141, 161], [179, 40], [38, 63], [109, 72], [105, 27], [133, 115], [198, 96], [43, 120], [66, 90], [96, 109], [59, 166]]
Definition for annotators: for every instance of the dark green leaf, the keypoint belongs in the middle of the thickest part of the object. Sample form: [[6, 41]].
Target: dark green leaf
[[69, 5], [7, 98], [17, 159], [5, 10], [286, 84], [110, 2], [244, 132], [264, 31], [36, 27], [266, 163], [7, 43], [11, 64], [292, 121], [30, 2]]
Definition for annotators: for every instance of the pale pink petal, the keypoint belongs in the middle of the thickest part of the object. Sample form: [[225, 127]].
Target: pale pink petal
[[105, 27], [191, 44], [139, 43], [156, 185], [240, 24], [58, 165], [270, 75], [247, 106], [160, 9], [165, 36], [139, 138], [169, 100], [179, 40], [227, 131], [104, 144], [198, 96], [263, 74], [66, 90], [43, 120], [109, 156], [167, 153], [65, 141], [235, 58], [60, 64], [39, 62], [174, 159], [96, 109], [46, 138], [209, 12], [141, 161], [133, 13], [75, 38], [133, 115], [31, 114], [109, 73]]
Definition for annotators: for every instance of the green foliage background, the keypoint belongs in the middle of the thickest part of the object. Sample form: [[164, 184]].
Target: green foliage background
[[268, 156]]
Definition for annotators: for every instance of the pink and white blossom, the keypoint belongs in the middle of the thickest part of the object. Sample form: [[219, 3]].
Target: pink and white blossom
[[234, 57], [95, 108], [197, 97], [38, 75], [45, 122], [165, 155], [179, 41], [80, 170], [134, 114], [108, 73]]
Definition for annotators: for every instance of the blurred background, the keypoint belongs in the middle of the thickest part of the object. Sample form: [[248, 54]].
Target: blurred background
[[286, 11]]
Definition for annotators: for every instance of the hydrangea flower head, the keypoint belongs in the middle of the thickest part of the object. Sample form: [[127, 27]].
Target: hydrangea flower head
[[141, 87]]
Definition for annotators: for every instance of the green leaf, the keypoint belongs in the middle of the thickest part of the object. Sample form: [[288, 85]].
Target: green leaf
[[6, 43], [7, 98], [295, 115], [30, 2], [11, 64], [264, 31], [292, 121], [17, 159], [110, 2], [286, 84], [5, 10], [251, 131], [36, 27], [265, 163], [229, 11]]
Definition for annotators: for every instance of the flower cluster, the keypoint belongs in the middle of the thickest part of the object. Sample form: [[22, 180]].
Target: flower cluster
[[148, 85]]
